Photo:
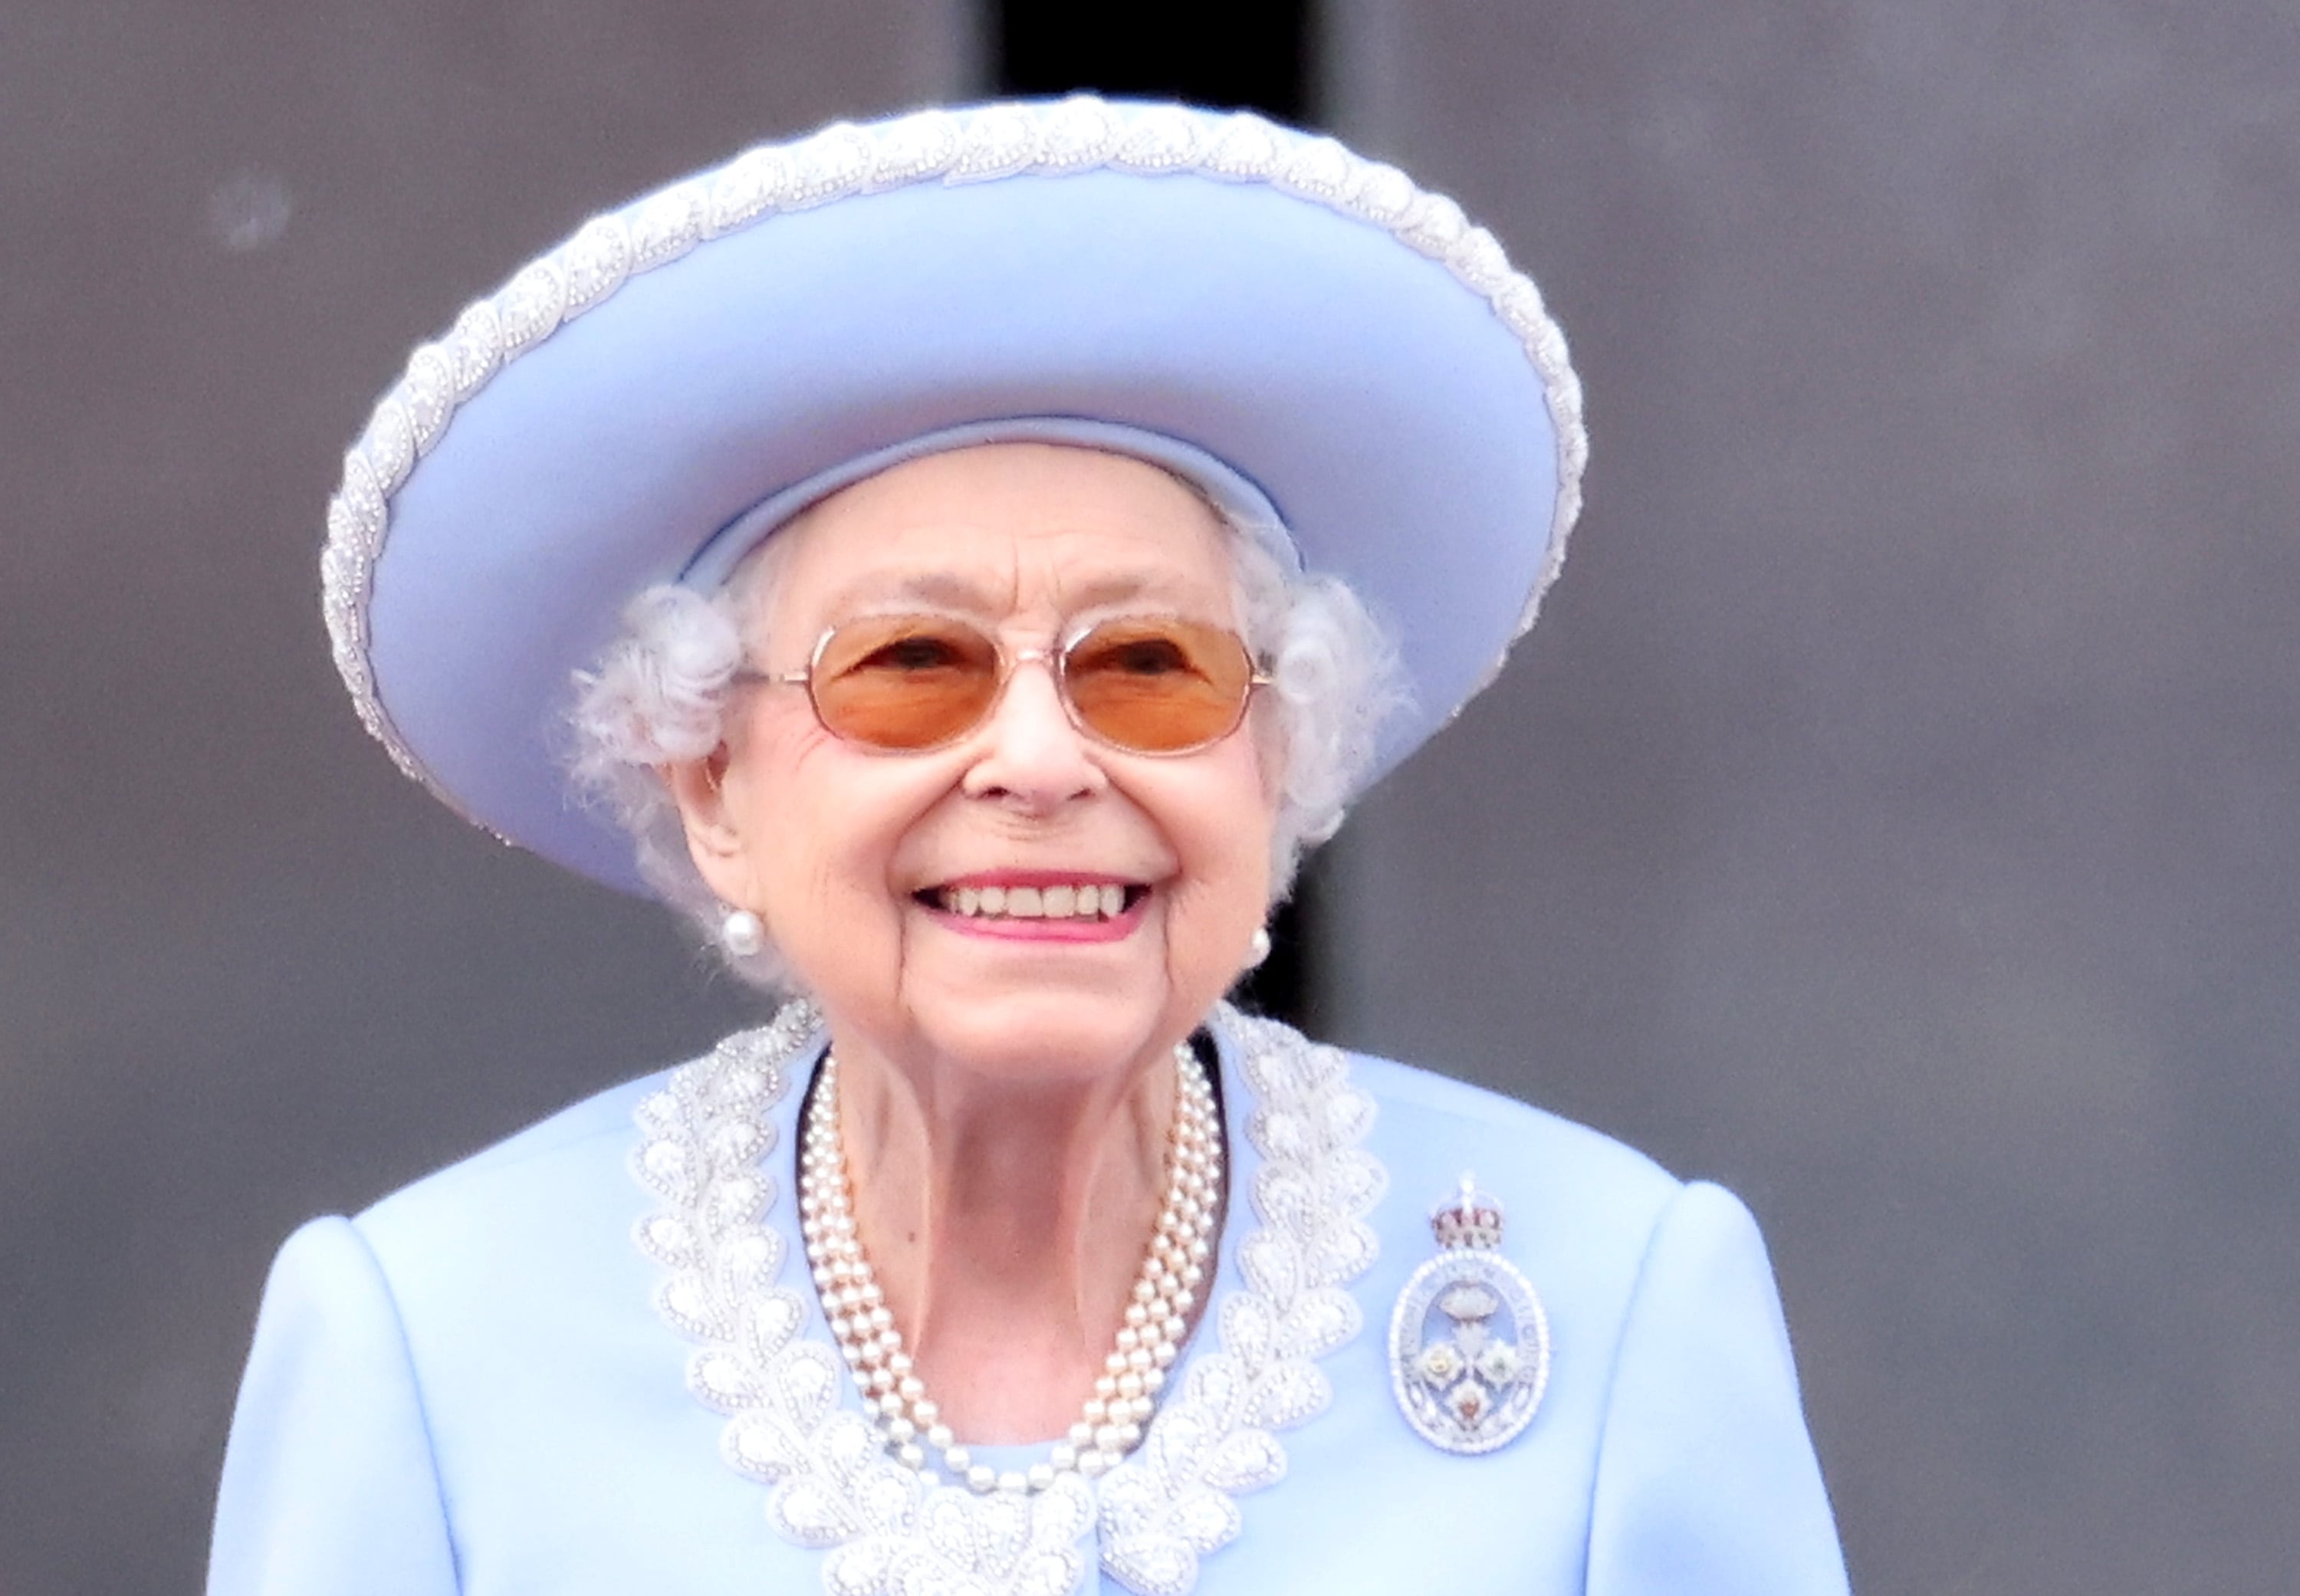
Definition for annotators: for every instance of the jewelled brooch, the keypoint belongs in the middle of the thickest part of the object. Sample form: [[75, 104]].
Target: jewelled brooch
[[1469, 1342]]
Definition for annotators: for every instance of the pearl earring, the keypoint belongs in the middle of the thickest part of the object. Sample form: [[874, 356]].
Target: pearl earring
[[742, 934], [1258, 949]]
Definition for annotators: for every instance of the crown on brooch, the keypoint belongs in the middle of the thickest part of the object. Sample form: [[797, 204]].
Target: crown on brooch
[[1469, 1218]]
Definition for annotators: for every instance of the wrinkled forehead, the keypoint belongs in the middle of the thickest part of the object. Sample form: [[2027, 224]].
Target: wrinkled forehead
[[1033, 531]]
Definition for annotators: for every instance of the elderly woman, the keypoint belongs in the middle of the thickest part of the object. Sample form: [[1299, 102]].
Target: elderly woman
[[976, 554]]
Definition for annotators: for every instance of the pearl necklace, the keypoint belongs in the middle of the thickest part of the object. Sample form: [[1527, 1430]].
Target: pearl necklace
[[1157, 1313]]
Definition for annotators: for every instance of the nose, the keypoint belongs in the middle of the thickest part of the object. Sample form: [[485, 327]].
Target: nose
[[1030, 754]]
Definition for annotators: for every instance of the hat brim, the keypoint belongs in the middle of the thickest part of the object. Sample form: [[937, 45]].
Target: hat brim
[[1399, 423]]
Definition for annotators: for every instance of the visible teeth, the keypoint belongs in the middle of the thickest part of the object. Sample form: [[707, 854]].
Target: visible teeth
[[1084, 901]]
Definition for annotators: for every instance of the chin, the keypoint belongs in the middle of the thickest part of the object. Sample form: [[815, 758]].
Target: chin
[[1053, 1035]]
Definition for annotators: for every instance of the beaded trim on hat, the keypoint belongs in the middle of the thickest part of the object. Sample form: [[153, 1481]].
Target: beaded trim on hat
[[985, 143]]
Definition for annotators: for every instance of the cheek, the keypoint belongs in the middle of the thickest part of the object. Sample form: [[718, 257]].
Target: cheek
[[1227, 847], [828, 823]]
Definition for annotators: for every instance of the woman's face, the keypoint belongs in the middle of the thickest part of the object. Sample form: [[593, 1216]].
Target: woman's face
[[856, 858]]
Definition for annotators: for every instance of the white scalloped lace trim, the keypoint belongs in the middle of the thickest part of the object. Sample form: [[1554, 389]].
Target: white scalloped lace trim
[[1000, 140], [890, 1532]]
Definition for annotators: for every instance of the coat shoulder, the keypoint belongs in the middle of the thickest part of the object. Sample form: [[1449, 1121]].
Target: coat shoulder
[[572, 1158], [1450, 1127]]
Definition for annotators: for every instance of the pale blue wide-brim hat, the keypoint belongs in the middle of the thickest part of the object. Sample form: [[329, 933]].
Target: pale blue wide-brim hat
[[1316, 342]]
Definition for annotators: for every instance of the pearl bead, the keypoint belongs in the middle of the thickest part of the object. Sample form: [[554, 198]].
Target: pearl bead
[[1113, 1418]]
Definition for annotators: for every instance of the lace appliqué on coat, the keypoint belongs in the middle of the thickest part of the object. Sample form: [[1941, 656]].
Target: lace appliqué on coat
[[887, 1530]]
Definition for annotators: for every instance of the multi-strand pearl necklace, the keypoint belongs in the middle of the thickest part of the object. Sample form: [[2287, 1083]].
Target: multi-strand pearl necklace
[[1157, 1311]]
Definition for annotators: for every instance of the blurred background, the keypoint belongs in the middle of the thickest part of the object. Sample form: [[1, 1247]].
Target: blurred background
[[1893, 817]]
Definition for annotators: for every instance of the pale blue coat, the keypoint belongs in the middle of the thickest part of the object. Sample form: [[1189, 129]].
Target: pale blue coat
[[468, 1389]]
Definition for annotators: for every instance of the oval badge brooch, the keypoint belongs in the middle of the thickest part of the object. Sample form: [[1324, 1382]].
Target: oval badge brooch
[[1469, 1344]]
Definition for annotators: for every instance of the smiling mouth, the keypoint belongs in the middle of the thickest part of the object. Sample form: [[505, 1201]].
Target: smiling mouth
[[1088, 901]]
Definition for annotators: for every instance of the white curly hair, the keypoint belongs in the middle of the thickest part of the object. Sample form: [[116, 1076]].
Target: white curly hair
[[659, 693]]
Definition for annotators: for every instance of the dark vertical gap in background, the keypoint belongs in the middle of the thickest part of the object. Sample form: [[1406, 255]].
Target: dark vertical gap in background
[[1245, 54], [1251, 55]]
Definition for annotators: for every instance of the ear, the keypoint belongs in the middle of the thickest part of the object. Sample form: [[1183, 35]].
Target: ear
[[714, 837]]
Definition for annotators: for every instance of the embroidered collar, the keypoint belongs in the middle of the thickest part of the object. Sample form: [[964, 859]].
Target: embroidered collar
[[1280, 1303]]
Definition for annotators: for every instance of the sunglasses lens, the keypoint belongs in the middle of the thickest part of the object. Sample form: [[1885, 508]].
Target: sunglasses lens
[[1153, 684], [904, 681], [1157, 685]]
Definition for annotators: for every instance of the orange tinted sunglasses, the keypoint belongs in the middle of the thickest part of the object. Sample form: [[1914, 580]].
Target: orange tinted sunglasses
[[908, 684]]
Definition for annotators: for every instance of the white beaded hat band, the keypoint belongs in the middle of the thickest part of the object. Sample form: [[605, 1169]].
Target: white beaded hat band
[[1304, 333]]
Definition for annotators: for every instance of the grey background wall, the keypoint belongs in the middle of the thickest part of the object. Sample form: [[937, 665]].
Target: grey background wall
[[1893, 816]]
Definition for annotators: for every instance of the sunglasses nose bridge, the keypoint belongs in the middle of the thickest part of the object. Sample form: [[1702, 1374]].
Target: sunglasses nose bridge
[[1011, 664], [1054, 658], [1033, 746]]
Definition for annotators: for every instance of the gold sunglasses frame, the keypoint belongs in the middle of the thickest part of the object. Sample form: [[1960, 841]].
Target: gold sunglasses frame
[[1056, 660]]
